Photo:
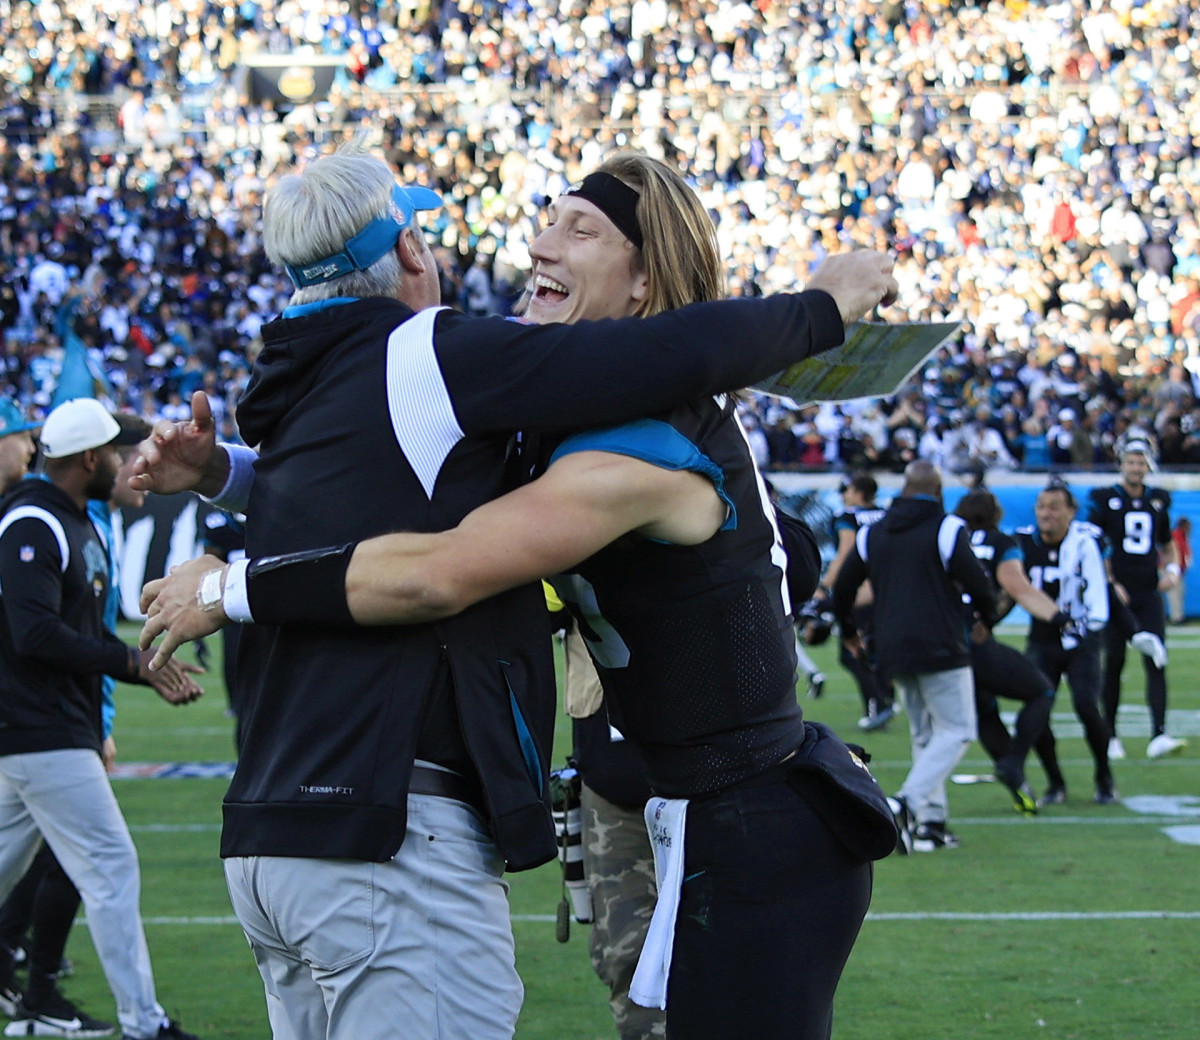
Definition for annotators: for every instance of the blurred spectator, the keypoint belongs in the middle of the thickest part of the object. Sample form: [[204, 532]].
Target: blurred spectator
[[1069, 443], [978, 447], [783, 448], [932, 446], [477, 296], [1181, 535]]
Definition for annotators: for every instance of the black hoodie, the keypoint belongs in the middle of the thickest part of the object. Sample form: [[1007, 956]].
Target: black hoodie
[[919, 561], [54, 647]]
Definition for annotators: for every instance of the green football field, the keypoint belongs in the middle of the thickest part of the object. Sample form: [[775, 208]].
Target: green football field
[[1079, 923]]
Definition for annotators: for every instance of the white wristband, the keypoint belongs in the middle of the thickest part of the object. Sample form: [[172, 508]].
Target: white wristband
[[1172, 568], [208, 595], [236, 600]]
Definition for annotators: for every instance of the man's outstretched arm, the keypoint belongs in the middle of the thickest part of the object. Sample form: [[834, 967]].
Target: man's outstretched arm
[[583, 502]]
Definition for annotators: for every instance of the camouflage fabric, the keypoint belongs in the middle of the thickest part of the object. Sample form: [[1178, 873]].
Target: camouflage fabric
[[620, 875]]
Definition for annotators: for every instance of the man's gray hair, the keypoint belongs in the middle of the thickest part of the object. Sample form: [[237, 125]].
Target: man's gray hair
[[311, 214]]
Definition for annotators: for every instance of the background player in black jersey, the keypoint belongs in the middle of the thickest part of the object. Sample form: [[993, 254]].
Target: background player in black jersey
[[858, 499], [1000, 670], [1064, 560], [1143, 564], [810, 630]]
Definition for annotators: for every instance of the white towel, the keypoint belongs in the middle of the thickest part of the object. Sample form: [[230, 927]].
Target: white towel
[[665, 819]]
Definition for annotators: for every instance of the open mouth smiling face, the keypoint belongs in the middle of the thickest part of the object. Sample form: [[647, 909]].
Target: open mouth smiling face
[[548, 291], [583, 267]]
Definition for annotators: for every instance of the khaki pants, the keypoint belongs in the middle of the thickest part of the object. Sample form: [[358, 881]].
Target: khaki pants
[[942, 724], [420, 946]]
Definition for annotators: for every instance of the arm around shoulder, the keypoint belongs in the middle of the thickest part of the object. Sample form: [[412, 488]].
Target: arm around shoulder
[[583, 502]]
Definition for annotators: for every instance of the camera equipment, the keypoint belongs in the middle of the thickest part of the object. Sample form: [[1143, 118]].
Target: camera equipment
[[566, 787]]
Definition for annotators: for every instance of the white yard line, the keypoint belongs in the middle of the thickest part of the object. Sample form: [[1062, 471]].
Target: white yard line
[[1048, 915], [966, 821]]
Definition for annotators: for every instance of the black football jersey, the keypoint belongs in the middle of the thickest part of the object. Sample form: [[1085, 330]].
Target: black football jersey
[[693, 644], [225, 535], [1041, 564], [992, 548], [855, 518], [1134, 530]]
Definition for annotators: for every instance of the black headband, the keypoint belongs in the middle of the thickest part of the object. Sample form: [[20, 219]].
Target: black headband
[[615, 199]]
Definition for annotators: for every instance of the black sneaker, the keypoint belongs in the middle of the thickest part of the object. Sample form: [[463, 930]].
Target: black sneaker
[[904, 825], [1106, 794], [169, 1030], [1056, 794], [1012, 777], [933, 836], [816, 684], [55, 1016]]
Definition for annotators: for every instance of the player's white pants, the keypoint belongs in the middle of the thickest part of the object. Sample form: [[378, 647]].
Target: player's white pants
[[65, 797]]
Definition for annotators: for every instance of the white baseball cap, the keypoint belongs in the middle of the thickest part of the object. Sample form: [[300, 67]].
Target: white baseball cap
[[77, 426]]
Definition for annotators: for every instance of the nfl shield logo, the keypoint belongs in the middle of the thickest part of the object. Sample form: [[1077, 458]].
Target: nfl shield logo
[[26, 553]]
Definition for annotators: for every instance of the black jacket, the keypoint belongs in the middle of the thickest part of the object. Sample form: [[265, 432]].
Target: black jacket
[[351, 448], [54, 647], [920, 562]]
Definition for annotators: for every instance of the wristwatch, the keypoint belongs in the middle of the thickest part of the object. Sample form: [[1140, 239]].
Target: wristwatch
[[210, 593]]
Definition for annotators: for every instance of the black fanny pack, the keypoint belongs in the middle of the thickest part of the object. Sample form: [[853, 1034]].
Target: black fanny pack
[[839, 787]]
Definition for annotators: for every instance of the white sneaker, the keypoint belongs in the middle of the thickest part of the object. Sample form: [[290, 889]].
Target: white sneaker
[[1116, 750], [1164, 744], [1150, 645]]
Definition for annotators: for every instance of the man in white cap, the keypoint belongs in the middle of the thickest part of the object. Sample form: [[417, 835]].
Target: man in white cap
[[1143, 564], [54, 649]]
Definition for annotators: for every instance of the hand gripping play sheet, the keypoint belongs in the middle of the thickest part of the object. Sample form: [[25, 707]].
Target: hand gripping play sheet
[[875, 361]]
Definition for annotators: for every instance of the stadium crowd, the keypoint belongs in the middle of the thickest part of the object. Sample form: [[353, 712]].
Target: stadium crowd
[[1033, 165]]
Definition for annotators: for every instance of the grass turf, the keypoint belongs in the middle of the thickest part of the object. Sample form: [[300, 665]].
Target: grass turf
[[1078, 924]]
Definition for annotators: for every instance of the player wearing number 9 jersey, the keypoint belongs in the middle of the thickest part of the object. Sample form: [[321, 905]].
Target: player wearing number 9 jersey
[[1136, 525]]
